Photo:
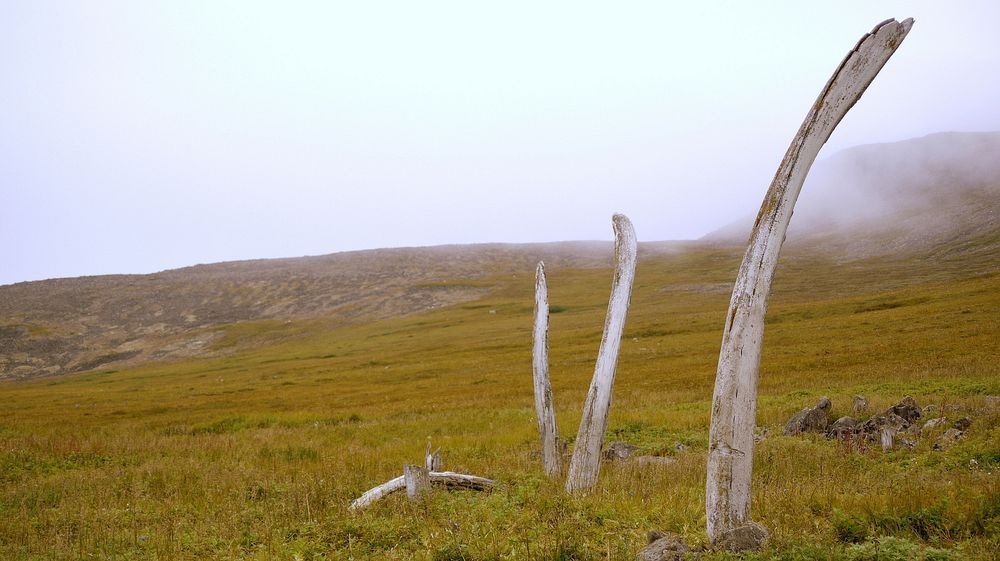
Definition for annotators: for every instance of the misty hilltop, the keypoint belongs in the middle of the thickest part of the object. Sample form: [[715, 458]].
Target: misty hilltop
[[884, 198], [927, 203]]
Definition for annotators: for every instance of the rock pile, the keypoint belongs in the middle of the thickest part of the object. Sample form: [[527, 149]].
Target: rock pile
[[896, 426]]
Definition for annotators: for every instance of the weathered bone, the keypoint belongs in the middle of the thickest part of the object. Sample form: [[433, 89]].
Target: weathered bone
[[544, 408], [586, 462], [432, 460], [734, 402], [417, 480], [446, 479]]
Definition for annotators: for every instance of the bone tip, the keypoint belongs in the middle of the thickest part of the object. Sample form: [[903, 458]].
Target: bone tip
[[619, 218], [906, 24]]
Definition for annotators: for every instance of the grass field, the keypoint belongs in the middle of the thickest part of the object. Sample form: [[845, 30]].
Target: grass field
[[256, 455]]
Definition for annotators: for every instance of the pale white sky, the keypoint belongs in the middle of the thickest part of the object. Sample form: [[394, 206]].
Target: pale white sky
[[141, 136]]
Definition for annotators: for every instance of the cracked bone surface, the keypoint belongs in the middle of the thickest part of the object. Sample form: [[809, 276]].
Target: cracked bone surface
[[734, 401], [586, 461], [544, 407]]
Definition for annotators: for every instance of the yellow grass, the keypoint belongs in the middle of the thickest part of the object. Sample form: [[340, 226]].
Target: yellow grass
[[257, 455]]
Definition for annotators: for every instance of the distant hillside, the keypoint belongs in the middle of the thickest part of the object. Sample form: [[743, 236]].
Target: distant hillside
[[906, 196], [932, 201], [61, 326]]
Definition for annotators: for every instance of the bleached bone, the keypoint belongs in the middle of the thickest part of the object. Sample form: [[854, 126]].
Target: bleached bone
[[417, 480], [446, 479], [544, 408], [734, 402], [586, 462], [432, 460]]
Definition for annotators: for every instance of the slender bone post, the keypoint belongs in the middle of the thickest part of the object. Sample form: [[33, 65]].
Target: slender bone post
[[544, 408], [586, 462], [734, 402]]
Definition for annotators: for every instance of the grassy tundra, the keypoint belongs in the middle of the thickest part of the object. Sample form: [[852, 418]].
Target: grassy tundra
[[256, 453]]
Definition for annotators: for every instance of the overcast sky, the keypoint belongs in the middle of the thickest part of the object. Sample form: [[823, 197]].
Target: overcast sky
[[142, 136]]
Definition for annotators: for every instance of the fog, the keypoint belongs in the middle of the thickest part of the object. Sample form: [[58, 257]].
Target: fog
[[923, 184], [136, 138], [877, 182]]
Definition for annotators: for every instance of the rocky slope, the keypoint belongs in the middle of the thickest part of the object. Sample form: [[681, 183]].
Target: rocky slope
[[61, 326]]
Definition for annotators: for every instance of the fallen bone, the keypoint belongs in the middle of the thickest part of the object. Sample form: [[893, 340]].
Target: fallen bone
[[446, 479]]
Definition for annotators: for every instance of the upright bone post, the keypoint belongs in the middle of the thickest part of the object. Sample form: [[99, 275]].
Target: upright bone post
[[544, 408], [586, 462], [734, 402]]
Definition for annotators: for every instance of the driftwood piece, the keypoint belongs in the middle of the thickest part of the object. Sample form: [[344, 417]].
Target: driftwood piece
[[446, 479], [734, 401], [544, 407], [586, 461]]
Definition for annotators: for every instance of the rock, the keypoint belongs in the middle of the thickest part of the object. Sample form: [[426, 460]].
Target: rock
[[811, 419], [963, 424], [617, 451], [749, 537], [842, 427], [907, 409], [654, 460], [950, 437], [934, 423], [680, 447], [663, 547], [860, 404], [882, 428]]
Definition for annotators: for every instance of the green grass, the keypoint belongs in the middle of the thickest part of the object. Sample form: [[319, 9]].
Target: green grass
[[257, 454]]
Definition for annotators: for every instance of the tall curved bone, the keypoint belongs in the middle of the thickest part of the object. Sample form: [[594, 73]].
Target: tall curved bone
[[734, 401], [544, 408], [586, 462]]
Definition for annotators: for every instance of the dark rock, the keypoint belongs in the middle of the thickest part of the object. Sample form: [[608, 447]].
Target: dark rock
[[907, 409], [842, 427], [950, 437], [663, 547], [749, 537], [617, 451], [963, 424], [860, 404], [811, 419]]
